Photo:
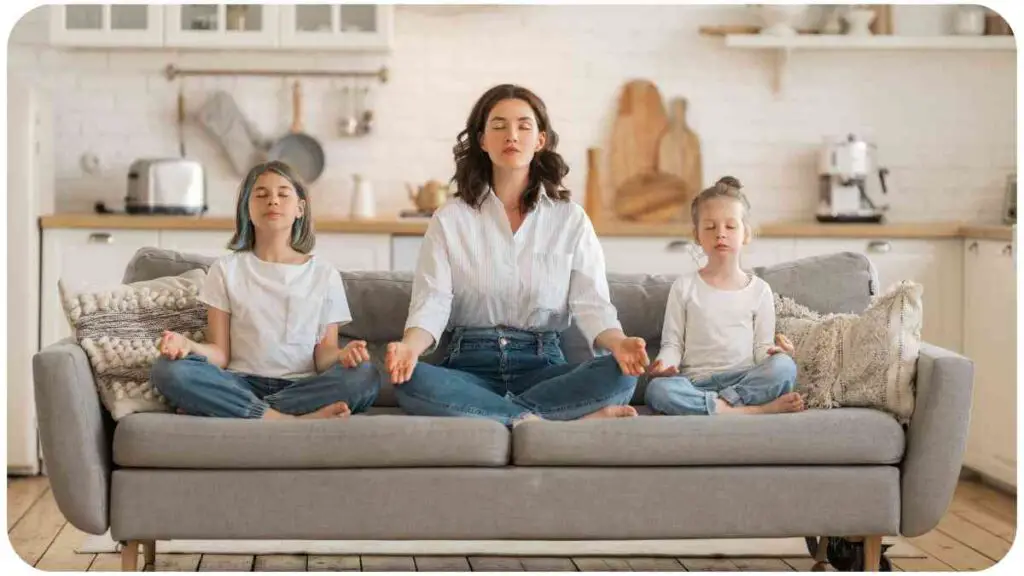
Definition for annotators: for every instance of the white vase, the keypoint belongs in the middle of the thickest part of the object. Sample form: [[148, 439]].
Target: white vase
[[363, 206], [860, 21]]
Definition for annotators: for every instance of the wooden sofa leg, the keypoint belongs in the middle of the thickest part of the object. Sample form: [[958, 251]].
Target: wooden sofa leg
[[821, 555], [130, 556], [872, 553], [149, 553]]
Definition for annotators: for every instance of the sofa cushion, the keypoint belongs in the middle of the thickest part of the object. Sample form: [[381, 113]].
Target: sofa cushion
[[844, 436], [867, 360], [119, 328], [834, 283], [378, 440]]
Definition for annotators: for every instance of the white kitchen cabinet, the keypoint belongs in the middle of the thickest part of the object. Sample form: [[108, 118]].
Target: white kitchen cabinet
[[355, 252], [935, 264], [990, 341], [83, 259], [206, 243], [107, 25], [333, 26], [671, 256], [767, 252], [221, 26], [405, 252]]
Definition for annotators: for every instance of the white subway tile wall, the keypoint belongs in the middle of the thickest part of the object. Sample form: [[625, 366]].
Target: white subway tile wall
[[944, 121]]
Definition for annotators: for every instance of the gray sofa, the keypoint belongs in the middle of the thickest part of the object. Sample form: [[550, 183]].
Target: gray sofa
[[851, 473]]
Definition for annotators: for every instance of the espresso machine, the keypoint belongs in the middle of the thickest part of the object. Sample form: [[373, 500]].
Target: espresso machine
[[845, 168]]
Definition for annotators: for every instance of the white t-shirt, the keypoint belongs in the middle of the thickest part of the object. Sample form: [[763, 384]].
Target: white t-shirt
[[708, 330], [278, 311]]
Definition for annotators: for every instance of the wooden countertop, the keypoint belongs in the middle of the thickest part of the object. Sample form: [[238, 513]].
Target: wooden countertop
[[795, 229]]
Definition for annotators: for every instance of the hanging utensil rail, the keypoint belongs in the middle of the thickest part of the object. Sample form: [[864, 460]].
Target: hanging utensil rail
[[171, 72]]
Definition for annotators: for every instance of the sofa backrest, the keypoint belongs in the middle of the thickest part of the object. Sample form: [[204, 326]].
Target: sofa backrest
[[842, 282]]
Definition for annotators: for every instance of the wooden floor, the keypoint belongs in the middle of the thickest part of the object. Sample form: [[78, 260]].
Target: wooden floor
[[975, 534]]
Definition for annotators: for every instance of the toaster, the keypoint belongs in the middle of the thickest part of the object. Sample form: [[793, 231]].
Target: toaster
[[165, 186]]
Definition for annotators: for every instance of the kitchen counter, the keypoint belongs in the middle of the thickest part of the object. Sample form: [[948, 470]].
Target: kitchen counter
[[413, 227]]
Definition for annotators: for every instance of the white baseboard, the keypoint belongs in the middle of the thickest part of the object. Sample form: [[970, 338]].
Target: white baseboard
[[733, 548]]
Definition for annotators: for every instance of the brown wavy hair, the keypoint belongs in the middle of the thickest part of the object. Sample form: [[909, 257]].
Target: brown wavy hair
[[473, 168]]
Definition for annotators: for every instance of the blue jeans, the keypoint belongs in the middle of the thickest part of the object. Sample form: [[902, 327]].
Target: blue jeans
[[677, 395], [202, 389], [505, 374]]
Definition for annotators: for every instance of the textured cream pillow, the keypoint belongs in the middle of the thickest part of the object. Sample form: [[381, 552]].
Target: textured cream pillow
[[866, 360], [120, 328]]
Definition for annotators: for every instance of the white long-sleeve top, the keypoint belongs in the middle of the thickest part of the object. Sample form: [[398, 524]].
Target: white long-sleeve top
[[473, 272], [708, 330]]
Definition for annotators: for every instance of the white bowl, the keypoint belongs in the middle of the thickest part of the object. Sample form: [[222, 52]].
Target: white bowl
[[779, 19]]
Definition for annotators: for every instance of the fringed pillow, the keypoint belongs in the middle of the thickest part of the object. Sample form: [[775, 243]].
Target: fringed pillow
[[867, 360], [119, 329]]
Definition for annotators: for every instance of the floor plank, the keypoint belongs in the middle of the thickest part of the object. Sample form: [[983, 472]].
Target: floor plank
[[546, 564], [107, 563], [600, 564], [226, 563], [177, 562], [951, 551], [495, 564], [708, 564], [36, 530], [920, 565], [804, 564], [761, 565], [279, 563], [655, 565], [988, 521], [22, 493], [333, 563], [61, 555], [388, 564], [974, 536], [441, 564]]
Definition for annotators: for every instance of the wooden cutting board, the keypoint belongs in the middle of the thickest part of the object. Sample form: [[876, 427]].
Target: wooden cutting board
[[679, 150], [639, 123], [652, 197]]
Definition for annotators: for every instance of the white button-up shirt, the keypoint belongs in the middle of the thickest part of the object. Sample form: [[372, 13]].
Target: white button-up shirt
[[473, 272]]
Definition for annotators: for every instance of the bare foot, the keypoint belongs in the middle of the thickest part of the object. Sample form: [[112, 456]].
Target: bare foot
[[791, 402], [336, 410], [612, 412]]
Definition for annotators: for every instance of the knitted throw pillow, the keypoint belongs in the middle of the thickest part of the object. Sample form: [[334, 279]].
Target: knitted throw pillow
[[867, 360], [119, 329]]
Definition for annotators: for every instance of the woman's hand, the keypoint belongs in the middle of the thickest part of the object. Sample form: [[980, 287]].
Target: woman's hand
[[353, 354], [631, 354], [399, 362], [658, 370], [782, 345], [174, 346]]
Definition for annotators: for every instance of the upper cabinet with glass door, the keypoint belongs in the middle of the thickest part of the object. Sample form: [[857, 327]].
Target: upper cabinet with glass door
[[221, 26], [337, 26], [107, 25]]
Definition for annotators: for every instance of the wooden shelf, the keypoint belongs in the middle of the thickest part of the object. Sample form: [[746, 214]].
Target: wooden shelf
[[784, 46], [841, 42]]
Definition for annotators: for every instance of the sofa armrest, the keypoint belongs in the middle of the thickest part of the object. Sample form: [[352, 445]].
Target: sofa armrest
[[76, 434], [936, 439]]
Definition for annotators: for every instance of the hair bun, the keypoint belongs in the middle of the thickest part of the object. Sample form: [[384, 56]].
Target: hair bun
[[729, 181]]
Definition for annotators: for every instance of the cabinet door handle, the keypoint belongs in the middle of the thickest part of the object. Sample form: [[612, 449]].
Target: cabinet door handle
[[879, 246], [101, 238], [1008, 250], [973, 247], [678, 245]]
